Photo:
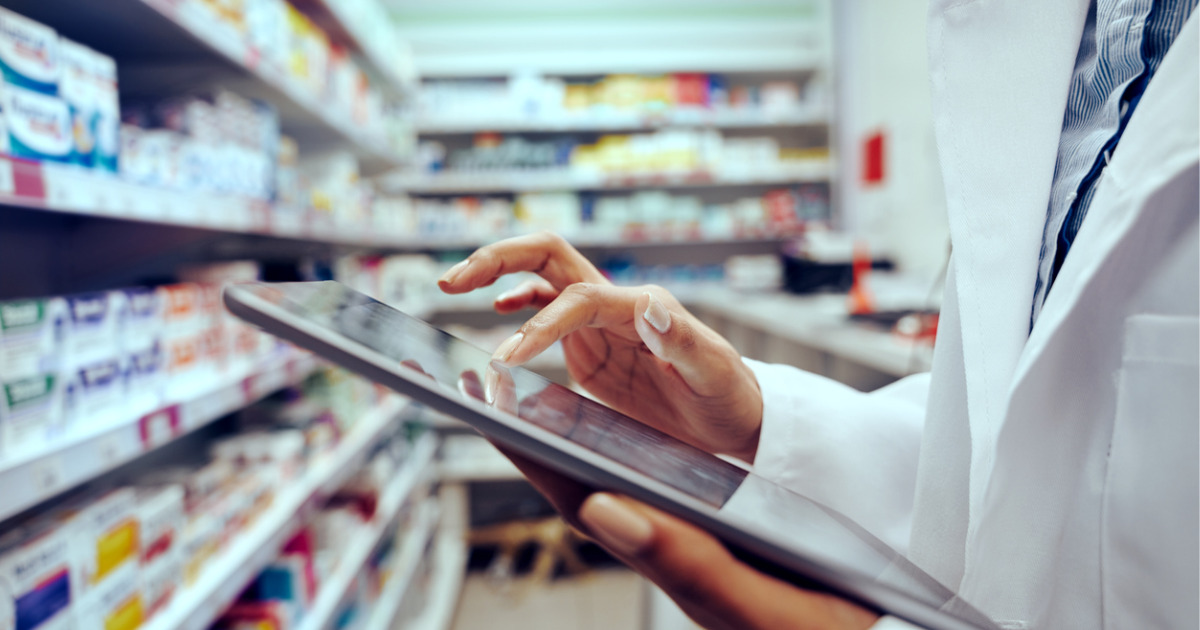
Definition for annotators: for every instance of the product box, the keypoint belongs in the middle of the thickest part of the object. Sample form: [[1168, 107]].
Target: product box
[[104, 530], [108, 112], [77, 87], [161, 521], [30, 412], [95, 393], [28, 53], [35, 580], [115, 604], [145, 379], [38, 125], [31, 336], [181, 332], [141, 328], [93, 324]]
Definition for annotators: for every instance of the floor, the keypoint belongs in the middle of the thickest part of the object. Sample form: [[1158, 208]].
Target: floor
[[609, 599]]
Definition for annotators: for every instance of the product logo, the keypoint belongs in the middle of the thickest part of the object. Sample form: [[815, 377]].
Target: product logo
[[28, 390], [99, 374], [26, 44], [89, 308], [16, 314], [142, 302]]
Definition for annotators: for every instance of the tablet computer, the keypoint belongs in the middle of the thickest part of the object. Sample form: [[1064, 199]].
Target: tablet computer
[[766, 525]]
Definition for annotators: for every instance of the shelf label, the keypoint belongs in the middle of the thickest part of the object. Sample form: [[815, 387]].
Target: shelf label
[[159, 427]]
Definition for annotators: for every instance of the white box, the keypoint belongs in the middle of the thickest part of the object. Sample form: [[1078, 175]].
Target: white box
[[108, 113], [93, 322], [77, 86], [145, 380], [28, 53], [141, 328], [39, 125], [94, 393], [161, 521], [104, 531], [116, 604], [30, 413], [35, 580], [31, 336]]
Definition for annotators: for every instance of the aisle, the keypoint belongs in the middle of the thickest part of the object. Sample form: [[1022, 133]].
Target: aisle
[[602, 600]]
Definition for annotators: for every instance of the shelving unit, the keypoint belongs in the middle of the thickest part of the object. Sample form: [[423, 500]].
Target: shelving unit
[[451, 182], [408, 561], [720, 118], [32, 478], [198, 606], [335, 590]]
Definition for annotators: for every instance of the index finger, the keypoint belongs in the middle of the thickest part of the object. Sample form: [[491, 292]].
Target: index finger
[[546, 254]]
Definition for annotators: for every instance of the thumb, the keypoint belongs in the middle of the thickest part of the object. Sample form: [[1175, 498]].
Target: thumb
[[674, 336]]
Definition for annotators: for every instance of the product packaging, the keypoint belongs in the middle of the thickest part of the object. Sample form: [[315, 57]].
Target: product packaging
[[95, 393], [30, 412], [108, 112], [141, 327], [104, 530], [31, 336], [93, 326], [161, 522], [115, 604], [77, 87], [38, 125], [28, 53], [35, 579]]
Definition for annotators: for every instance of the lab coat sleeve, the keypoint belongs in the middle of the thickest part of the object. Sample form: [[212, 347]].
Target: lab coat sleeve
[[852, 451]]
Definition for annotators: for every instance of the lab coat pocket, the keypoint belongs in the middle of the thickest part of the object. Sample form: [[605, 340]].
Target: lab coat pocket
[[1149, 540]]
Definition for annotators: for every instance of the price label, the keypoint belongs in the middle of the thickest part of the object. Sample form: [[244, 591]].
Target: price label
[[159, 427]]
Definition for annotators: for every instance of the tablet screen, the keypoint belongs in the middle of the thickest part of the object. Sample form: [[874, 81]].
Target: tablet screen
[[811, 531]]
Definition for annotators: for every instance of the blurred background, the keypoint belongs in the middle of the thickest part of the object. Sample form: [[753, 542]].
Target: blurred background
[[162, 465]]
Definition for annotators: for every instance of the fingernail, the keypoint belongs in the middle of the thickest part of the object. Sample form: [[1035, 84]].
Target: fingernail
[[506, 296], [657, 316], [491, 383], [506, 349], [453, 272], [616, 524]]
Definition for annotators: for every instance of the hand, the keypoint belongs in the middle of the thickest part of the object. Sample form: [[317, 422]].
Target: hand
[[714, 588], [636, 349]]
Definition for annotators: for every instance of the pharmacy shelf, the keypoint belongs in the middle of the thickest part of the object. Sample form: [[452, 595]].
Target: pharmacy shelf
[[224, 577], [335, 590], [449, 563], [171, 47], [451, 182], [40, 475], [408, 561], [347, 27], [722, 118], [67, 189]]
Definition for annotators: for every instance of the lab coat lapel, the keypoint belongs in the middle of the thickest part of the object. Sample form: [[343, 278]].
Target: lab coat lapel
[[1000, 72]]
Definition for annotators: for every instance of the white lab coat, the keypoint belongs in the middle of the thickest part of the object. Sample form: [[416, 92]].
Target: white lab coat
[[1050, 478]]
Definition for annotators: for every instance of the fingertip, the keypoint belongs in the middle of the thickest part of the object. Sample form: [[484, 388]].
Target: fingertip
[[616, 524]]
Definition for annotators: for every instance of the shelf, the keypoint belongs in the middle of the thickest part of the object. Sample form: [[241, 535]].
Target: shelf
[[68, 189], [408, 561], [168, 47], [347, 28], [226, 575], [449, 564], [335, 590], [726, 118], [469, 458], [38, 476], [450, 182]]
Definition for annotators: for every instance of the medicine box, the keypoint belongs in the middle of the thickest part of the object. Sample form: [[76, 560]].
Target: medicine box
[[94, 392], [104, 530], [115, 604], [31, 336], [161, 521], [108, 113], [30, 412], [77, 87], [93, 321], [35, 579], [38, 125], [141, 327], [28, 53]]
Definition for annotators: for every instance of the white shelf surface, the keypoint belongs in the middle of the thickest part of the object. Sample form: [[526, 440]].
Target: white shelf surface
[[223, 40], [724, 118], [451, 182], [40, 475], [449, 563], [818, 322], [334, 591], [226, 575], [69, 189], [408, 561]]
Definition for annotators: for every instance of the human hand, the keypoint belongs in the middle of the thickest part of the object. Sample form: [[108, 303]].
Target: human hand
[[635, 348]]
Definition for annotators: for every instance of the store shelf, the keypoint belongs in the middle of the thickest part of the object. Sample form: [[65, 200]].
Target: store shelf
[[225, 576], [724, 118], [350, 563], [408, 561], [449, 564], [450, 182], [347, 28], [472, 458], [169, 47], [41, 475]]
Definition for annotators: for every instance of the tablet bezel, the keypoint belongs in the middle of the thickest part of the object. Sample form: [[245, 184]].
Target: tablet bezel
[[592, 469]]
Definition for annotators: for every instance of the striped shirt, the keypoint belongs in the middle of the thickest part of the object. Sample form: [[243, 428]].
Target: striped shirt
[[1124, 41]]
